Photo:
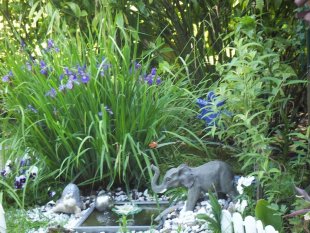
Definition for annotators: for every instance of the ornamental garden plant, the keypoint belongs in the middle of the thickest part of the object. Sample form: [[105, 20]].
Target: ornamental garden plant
[[89, 107]]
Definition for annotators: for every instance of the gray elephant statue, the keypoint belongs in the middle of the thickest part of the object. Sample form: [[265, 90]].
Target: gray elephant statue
[[215, 175]]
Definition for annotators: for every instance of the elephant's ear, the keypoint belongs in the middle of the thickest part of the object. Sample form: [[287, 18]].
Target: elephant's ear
[[186, 176]]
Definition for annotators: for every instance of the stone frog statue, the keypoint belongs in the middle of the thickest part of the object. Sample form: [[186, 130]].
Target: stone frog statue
[[70, 201], [215, 175]]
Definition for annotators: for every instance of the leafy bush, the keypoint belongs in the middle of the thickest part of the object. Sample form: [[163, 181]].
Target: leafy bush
[[253, 87], [89, 107]]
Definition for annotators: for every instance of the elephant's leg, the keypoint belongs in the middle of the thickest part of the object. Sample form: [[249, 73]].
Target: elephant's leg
[[192, 197]]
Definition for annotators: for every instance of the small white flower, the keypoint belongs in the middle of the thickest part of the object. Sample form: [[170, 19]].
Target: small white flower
[[307, 216], [248, 181], [240, 189], [240, 206], [244, 182]]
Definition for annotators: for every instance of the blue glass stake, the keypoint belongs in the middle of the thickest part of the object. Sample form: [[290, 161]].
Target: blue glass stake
[[207, 112]]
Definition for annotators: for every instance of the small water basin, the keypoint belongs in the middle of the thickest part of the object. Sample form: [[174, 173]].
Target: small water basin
[[94, 221]]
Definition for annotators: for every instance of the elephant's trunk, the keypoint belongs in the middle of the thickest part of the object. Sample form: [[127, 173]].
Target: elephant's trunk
[[156, 188]]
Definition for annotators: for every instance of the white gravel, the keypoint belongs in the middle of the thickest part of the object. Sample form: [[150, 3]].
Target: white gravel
[[177, 221]]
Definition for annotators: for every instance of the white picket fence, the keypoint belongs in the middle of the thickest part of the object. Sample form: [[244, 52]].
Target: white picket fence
[[234, 223]]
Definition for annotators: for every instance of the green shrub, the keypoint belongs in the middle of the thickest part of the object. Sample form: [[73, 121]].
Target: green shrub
[[253, 87]]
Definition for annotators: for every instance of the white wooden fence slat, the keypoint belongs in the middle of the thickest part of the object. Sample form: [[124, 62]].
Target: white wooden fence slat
[[226, 223], [237, 223], [259, 227], [270, 229], [234, 223], [250, 224], [2, 220]]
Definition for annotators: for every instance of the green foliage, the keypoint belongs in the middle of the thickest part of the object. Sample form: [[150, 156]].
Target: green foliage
[[8, 190], [254, 85], [99, 130], [299, 217], [34, 190], [268, 215], [18, 221], [214, 223]]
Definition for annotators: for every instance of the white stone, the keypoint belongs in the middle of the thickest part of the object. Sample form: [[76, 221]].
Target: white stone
[[202, 211], [146, 193]]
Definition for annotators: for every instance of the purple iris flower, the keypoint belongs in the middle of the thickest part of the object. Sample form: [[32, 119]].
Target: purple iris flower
[[22, 43], [6, 78], [43, 67], [71, 75], [83, 75], [103, 67], [73, 78], [206, 108], [149, 80], [152, 78], [61, 87], [52, 93], [32, 109], [50, 44], [67, 71], [137, 66], [158, 80], [81, 70], [69, 85], [85, 79], [28, 66]]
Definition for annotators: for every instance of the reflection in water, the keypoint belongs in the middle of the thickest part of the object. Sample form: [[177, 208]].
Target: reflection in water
[[109, 218], [104, 218]]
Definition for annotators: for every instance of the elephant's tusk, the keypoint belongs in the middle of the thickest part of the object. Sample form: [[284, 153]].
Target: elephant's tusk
[[164, 190]]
